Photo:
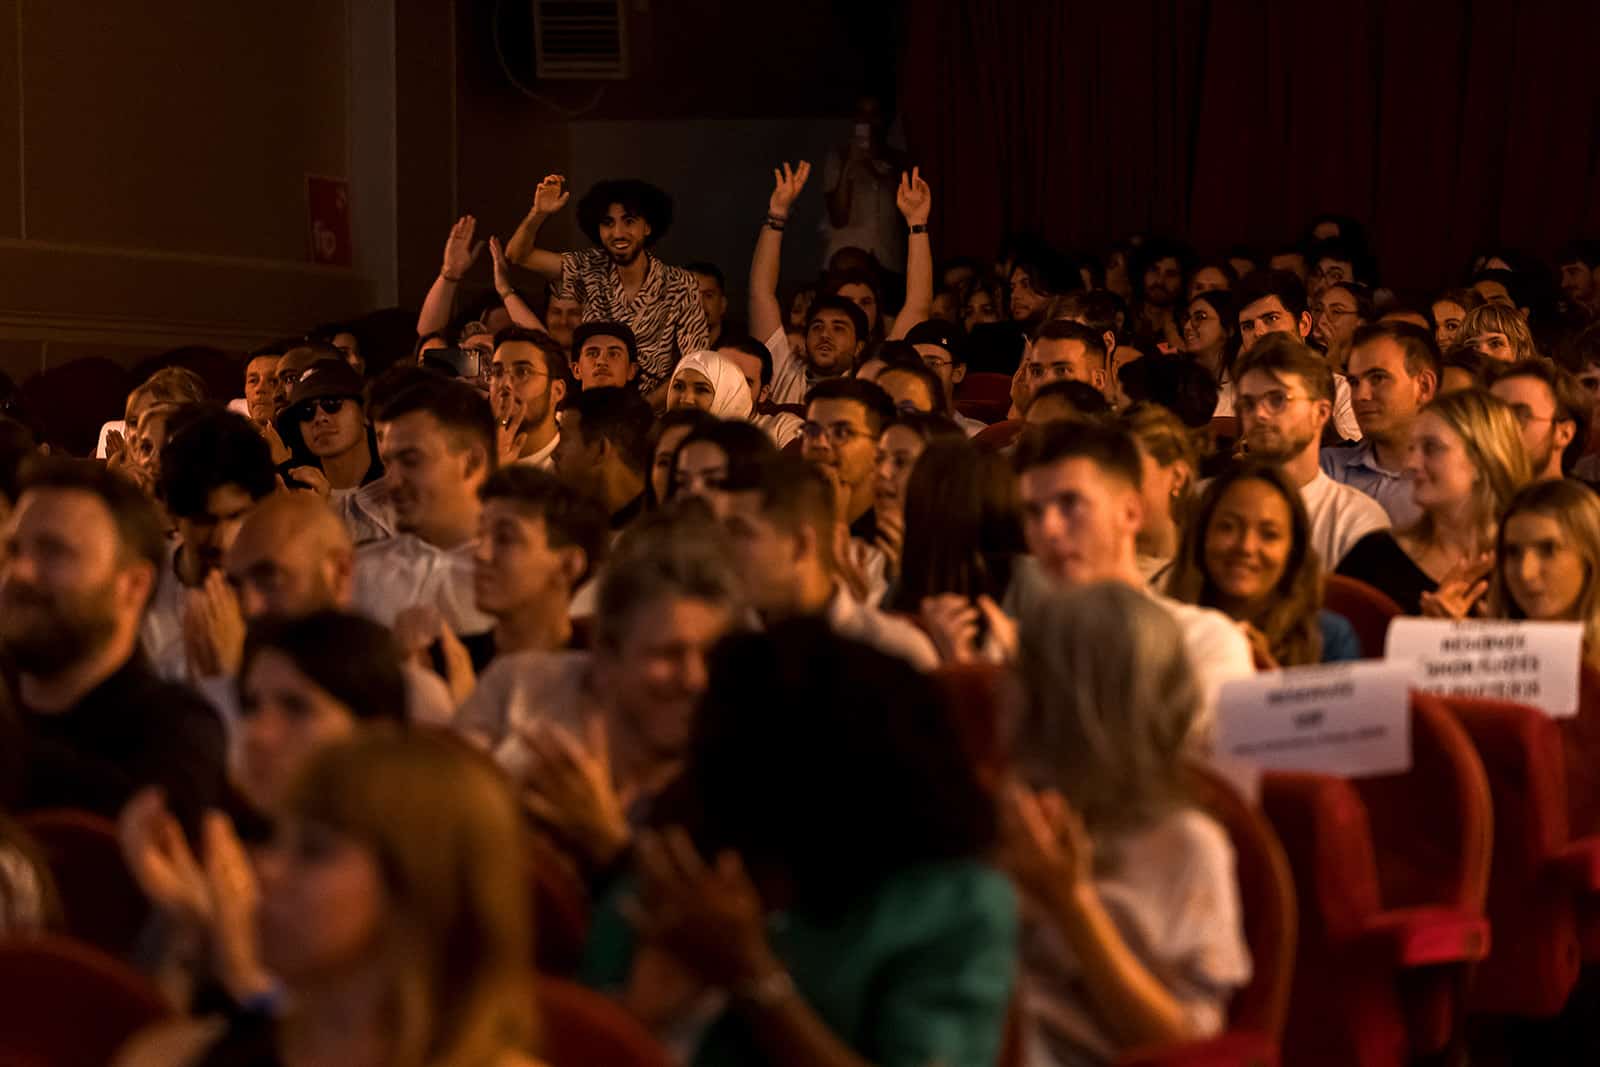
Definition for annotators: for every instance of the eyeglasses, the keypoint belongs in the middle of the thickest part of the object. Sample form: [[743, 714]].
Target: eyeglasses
[[328, 405], [1273, 402], [522, 374], [840, 433], [1526, 417], [1331, 311], [935, 364]]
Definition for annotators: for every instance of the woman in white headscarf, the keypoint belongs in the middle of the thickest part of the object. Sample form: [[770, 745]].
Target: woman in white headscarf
[[712, 383]]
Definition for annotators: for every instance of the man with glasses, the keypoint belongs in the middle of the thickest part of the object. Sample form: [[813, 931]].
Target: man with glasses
[[1553, 410], [939, 344], [527, 383], [844, 419], [1284, 397]]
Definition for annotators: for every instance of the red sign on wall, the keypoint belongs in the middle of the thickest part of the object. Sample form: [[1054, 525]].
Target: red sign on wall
[[328, 220]]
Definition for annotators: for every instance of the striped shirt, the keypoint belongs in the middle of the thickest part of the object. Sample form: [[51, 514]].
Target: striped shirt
[[665, 315]]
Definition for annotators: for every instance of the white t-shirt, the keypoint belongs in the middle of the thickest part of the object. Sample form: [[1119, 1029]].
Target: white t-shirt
[[522, 687], [1344, 413], [788, 371], [1218, 653], [894, 636], [544, 459], [1174, 897], [161, 631], [1217, 648], [1340, 516], [401, 572]]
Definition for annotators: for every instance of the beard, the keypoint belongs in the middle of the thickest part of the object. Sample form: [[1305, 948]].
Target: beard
[[625, 259], [45, 635], [1276, 445]]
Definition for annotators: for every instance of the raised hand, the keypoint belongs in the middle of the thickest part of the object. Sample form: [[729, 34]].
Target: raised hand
[[508, 433], [952, 621], [914, 198], [1043, 843], [459, 251], [502, 274], [213, 628], [415, 630], [160, 860], [787, 183], [1460, 590], [708, 916], [551, 195], [313, 479], [570, 788], [235, 900]]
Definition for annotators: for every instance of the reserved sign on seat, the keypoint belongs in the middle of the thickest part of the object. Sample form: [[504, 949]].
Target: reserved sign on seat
[[1533, 663], [1347, 719]]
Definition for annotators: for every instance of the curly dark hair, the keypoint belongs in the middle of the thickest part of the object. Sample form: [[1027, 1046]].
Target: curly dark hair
[[896, 790], [637, 197]]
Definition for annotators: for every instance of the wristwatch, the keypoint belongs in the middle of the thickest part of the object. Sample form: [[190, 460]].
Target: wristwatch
[[920, 227]]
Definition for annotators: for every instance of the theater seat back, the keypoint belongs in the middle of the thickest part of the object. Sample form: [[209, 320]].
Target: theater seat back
[[101, 904], [66, 1002], [1534, 959], [1369, 610], [1266, 899], [582, 1028]]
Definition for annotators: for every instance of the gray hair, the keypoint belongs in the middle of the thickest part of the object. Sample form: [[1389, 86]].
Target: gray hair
[[1109, 705], [681, 552]]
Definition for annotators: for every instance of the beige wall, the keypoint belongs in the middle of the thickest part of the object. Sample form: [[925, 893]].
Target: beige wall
[[152, 173]]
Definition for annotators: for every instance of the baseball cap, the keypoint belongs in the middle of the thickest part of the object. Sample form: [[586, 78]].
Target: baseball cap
[[605, 329], [946, 335]]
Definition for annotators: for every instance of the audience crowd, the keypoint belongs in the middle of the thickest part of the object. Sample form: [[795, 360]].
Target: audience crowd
[[602, 582]]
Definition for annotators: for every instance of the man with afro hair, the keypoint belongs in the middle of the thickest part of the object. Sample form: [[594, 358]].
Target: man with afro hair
[[619, 280]]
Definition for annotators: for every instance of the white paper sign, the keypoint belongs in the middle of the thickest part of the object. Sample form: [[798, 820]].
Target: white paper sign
[[1348, 719], [1533, 663]]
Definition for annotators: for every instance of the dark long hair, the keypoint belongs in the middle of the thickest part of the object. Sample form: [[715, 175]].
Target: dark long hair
[[351, 657], [963, 525], [1289, 617], [850, 772]]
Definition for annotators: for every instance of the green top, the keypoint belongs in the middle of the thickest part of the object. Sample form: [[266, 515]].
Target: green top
[[919, 973]]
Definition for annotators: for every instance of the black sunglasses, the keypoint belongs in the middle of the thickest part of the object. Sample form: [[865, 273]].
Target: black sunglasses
[[330, 405]]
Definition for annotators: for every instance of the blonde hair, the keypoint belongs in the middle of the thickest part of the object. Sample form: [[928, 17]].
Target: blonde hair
[[445, 831], [1110, 703], [1490, 433], [167, 387], [1167, 440], [1576, 509], [1497, 318]]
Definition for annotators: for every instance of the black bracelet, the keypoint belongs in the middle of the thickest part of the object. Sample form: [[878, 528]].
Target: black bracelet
[[773, 222], [920, 227]]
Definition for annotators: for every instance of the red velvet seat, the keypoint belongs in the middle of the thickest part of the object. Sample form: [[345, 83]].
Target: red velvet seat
[[67, 1003], [1580, 745], [1369, 610], [1392, 873], [1258, 1012], [582, 1028], [999, 436], [976, 696], [100, 902], [560, 910], [984, 396], [1537, 872], [1433, 828]]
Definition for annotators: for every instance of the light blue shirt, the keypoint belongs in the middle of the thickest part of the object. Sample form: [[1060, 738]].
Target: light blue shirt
[[1358, 468]]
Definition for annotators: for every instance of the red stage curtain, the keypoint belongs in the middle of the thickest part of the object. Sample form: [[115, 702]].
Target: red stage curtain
[[1444, 125]]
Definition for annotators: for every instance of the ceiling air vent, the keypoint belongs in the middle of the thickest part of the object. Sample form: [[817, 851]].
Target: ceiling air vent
[[579, 39]]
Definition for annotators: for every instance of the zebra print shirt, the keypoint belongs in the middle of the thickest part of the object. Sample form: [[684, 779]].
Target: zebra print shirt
[[665, 316]]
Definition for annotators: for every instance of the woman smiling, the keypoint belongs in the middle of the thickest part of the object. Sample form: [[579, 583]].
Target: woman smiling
[[1248, 554]]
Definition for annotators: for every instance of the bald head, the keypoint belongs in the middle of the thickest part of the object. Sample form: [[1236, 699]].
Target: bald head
[[292, 557]]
